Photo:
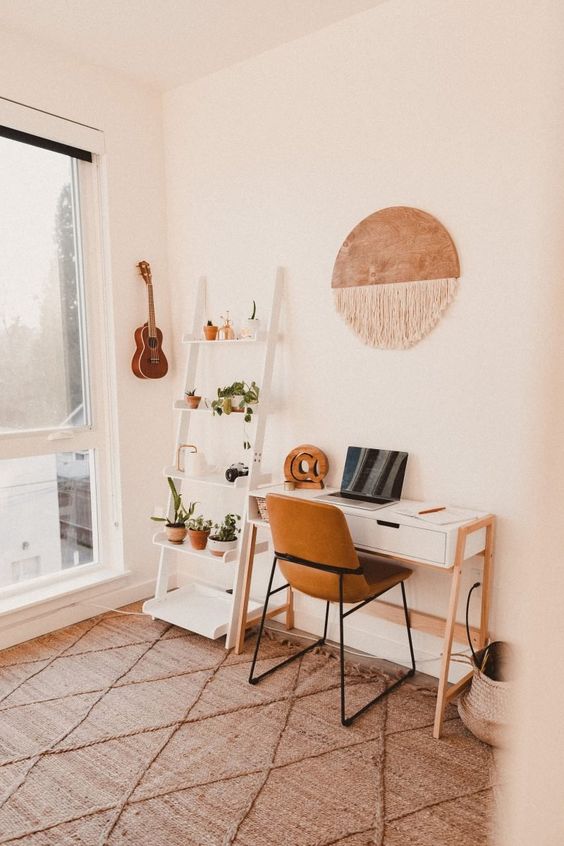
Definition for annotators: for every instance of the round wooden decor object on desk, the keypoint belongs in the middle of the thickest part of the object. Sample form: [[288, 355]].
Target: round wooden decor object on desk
[[307, 466]]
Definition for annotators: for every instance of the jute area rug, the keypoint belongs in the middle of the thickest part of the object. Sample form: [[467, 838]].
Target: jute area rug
[[120, 730]]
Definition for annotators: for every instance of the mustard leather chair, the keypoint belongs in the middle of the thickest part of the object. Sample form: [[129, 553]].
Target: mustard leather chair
[[315, 553]]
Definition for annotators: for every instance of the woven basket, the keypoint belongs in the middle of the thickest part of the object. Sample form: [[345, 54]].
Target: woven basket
[[262, 509], [484, 706]]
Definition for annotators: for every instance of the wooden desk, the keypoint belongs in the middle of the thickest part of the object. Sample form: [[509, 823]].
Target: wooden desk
[[406, 540]]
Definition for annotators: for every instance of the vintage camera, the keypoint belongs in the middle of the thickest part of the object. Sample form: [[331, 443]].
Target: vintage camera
[[236, 470]]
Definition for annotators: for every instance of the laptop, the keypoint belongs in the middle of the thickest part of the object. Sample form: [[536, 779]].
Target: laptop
[[372, 478]]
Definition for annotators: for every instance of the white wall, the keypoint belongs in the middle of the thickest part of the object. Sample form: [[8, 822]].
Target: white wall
[[274, 161], [453, 107], [131, 118]]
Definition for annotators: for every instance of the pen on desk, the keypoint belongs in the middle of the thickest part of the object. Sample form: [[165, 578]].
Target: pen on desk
[[432, 510]]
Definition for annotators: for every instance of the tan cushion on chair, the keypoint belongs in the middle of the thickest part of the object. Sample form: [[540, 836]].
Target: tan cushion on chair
[[378, 576]]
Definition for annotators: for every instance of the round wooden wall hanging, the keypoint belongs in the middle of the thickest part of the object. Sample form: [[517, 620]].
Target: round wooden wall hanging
[[307, 466], [394, 276]]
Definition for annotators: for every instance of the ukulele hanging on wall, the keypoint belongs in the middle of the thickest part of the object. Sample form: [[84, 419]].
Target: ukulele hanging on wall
[[149, 360]]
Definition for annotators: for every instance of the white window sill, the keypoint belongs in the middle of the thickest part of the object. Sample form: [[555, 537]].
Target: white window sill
[[58, 590]]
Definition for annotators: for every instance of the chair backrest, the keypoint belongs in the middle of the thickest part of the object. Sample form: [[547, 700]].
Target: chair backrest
[[314, 531]]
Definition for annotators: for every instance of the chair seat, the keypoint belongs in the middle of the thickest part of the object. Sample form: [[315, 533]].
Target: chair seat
[[378, 576]]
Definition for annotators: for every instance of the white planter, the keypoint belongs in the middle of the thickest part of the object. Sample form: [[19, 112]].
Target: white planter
[[220, 547], [251, 328]]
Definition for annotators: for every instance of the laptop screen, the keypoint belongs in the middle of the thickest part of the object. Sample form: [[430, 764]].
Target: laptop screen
[[374, 472]]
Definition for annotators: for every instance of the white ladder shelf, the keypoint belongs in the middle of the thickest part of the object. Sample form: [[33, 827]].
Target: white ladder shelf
[[198, 607]]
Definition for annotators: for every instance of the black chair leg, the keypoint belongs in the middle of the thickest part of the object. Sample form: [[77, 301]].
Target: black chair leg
[[347, 721], [254, 679]]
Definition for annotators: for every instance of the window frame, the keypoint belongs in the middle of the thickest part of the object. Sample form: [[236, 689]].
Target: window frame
[[100, 435]]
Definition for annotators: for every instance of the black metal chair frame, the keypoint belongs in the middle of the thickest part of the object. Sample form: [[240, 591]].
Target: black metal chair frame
[[341, 572]]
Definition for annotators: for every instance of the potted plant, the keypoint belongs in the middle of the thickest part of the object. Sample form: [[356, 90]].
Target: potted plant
[[224, 535], [191, 399], [210, 331], [253, 323], [198, 531], [175, 528], [239, 396]]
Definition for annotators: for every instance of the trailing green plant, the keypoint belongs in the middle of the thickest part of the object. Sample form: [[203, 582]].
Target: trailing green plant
[[249, 395], [181, 514], [252, 317], [227, 530], [200, 524]]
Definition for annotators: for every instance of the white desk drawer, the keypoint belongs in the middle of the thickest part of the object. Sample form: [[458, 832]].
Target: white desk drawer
[[421, 544]]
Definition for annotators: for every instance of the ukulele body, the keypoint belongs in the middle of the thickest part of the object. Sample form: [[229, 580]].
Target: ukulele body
[[149, 360]]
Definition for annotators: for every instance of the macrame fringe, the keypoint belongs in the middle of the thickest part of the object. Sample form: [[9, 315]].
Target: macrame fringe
[[397, 315]]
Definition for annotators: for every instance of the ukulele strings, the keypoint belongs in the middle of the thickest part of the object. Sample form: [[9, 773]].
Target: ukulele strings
[[154, 350]]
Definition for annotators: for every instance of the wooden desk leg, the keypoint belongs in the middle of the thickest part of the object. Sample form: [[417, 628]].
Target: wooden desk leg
[[289, 624], [447, 649], [247, 576], [486, 584]]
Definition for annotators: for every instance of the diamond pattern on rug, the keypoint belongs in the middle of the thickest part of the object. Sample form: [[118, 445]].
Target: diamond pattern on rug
[[168, 656], [410, 707], [200, 816], [27, 729], [163, 741], [138, 707], [316, 800], [74, 674], [419, 771], [46, 646], [230, 690], [84, 831], [73, 783], [314, 728], [442, 824], [199, 752], [117, 631]]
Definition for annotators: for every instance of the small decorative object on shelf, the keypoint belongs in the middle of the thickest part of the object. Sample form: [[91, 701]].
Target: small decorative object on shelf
[[199, 531], [176, 528], [226, 332], [251, 330], [191, 399], [195, 463], [235, 470], [224, 537], [239, 396], [306, 466], [210, 331], [262, 508]]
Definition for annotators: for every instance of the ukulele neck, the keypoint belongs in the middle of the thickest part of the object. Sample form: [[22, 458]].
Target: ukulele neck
[[152, 325]]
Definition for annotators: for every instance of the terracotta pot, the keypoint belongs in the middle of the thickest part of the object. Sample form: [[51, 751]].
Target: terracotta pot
[[198, 539], [176, 534], [210, 332], [193, 402]]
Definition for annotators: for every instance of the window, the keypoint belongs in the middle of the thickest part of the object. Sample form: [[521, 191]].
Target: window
[[56, 513]]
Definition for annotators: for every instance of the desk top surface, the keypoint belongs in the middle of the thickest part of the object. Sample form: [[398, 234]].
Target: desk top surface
[[387, 512]]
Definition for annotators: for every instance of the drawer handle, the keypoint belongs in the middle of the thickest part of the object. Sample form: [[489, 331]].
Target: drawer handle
[[385, 523]]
